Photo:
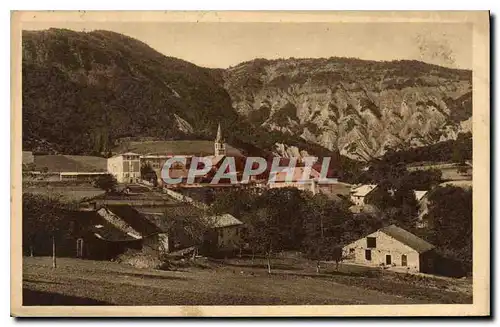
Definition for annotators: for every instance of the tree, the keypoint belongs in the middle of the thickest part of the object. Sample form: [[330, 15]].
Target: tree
[[106, 182], [380, 197], [322, 226], [148, 174], [264, 233], [450, 223], [191, 225], [421, 179], [44, 217]]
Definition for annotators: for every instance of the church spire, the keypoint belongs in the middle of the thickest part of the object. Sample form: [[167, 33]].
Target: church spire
[[220, 147], [219, 134]]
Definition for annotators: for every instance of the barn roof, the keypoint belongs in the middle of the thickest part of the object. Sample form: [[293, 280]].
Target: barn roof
[[135, 219], [100, 227], [407, 238], [363, 190]]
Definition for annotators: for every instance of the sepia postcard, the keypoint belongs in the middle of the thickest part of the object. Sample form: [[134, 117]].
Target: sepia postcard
[[234, 164]]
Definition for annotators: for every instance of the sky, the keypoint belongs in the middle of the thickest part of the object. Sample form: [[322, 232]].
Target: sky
[[221, 45]]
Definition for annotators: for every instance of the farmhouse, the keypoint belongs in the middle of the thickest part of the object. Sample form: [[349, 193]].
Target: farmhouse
[[112, 229], [359, 193], [392, 246]]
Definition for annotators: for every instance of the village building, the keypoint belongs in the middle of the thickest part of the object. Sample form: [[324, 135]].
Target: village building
[[111, 230], [392, 247], [56, 168], [105, 233], [226, 232], [359, 194], [80, 176], [294, 177], [126, 167]]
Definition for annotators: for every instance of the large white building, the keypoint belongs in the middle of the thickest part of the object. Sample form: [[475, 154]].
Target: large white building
[[125, 167]]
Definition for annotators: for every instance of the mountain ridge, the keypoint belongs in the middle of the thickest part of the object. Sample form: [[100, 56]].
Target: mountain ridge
[[83, 91]]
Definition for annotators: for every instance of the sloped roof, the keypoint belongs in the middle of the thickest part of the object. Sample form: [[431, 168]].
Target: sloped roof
[[407, 238], [101, 228], [133, 218], [224, 220], [419, 194], [363, 190]]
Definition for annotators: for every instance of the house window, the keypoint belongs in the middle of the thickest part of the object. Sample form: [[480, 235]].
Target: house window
[[404, 260], [388, 259], [368, 255], [371, 242]]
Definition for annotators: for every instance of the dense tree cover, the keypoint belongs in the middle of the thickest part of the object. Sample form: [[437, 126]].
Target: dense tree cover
[[106, 182], [148, 174], [457, 150], [450, 223], [45, 221], [289, 219], [397, 176]]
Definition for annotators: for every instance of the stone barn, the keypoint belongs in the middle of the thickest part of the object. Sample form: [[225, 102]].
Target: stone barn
[[392, 247]]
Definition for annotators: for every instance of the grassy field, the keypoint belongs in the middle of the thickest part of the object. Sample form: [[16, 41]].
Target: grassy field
[[61, 163], [226, 282]]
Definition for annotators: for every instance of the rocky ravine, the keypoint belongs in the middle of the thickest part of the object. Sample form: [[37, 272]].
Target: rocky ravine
[[362, 108]]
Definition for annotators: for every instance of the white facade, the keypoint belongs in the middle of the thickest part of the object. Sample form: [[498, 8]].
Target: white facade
[[126, 167], [381, 249], [386, 252], [309, 185]]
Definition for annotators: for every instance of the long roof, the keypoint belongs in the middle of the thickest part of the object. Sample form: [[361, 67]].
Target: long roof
[[363, 190], [134, 219], [407, 238]]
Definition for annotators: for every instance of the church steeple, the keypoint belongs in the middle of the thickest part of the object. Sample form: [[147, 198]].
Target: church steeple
[[220, 148], [219, 135]]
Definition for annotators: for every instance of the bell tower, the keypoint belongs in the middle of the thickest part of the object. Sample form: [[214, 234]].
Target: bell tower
[[220, 147]]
